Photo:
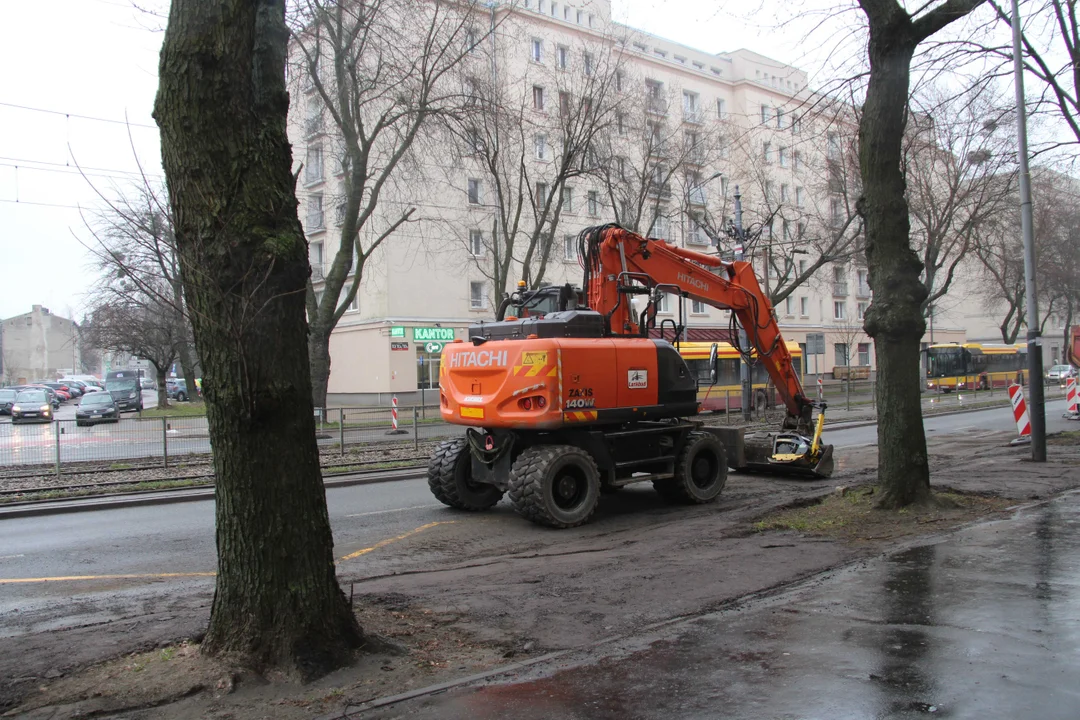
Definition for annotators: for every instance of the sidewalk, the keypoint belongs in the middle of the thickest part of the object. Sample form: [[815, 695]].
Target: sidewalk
[[984, 624]]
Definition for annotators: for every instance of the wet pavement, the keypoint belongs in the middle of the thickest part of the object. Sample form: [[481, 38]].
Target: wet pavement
[[985, 624]]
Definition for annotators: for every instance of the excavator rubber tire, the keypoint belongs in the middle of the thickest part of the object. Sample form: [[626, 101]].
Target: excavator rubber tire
[[448, 478], [700, 471], [555, 485]]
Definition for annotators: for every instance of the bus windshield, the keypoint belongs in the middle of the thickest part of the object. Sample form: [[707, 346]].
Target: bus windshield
[[945, 362]]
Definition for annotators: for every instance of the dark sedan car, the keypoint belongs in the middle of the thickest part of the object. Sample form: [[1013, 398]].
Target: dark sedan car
[[31, 406], [54, 399], [96, 408], [7, 399]]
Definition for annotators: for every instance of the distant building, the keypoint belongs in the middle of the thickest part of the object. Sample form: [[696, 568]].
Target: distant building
[[37, 345]]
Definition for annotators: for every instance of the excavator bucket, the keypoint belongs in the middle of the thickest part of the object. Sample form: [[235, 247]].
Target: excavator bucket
[[786, 454]]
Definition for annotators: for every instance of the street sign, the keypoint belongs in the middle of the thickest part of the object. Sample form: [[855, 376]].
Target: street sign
[[397, 331], [815, 343], [436, 334], [399, 346], [433, 347]]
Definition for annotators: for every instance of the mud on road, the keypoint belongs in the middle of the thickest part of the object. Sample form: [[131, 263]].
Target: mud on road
[[483, 590]]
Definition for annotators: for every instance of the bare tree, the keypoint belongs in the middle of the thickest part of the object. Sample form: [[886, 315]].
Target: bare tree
[[960, 166], [222, 107], [371, 75], [128, 320], [134, 242], [526, 140], [895, 318]]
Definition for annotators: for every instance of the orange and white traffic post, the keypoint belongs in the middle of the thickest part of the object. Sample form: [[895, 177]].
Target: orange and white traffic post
[[393, 418], [1020, 415], [1072, 411]]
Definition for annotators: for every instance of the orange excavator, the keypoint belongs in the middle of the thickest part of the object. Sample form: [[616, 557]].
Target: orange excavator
[[578, 400]]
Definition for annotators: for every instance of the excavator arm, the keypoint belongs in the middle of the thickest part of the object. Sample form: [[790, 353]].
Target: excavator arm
[[619, 263]]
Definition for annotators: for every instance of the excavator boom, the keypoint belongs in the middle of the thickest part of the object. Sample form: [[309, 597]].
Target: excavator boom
[[619, 263]]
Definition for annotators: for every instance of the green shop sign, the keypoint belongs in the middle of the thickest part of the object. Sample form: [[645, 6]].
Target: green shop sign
[[397, 331], [425, 334]]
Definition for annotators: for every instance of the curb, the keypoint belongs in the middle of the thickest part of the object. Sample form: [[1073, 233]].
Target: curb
[[112, 501]]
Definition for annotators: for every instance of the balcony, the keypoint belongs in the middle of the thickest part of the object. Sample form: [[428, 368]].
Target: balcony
[[317, 272], [663, 190], [862, 291], [697, 196], [839, 289], [315, 220], [692, 116], [656, 106]]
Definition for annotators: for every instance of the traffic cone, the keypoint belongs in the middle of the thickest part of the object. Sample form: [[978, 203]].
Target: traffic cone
[[1020, 415]]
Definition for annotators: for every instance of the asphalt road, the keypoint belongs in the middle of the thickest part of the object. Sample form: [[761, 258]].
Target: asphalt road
[[154, 549]]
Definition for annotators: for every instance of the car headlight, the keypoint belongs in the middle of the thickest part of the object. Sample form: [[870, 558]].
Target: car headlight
[[45, 408], [131, 394], [16, 408]]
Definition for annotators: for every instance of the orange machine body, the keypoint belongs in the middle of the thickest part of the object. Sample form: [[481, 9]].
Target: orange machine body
[[551, 383]]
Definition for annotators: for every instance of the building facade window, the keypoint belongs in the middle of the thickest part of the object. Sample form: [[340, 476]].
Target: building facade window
[[567, 199], [721, 109], [475, 191], [562, 57], [476, 243], [540, 143], [804, 306], [594, 203], [315, 219], [864, 353], [789, 305], [564, 104], [538, 98], [313, 165], [316, 256], [800, 197], [766, 114], [476, 295], [570, 248], [860, 310], [690, 106], [840, 353], [587, 58], [782, 153], [766, 152], [537, 51], [839, 310], [541, 194], [697, 307]]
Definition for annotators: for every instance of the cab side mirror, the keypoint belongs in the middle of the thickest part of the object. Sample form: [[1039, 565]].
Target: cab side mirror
[[712, 364]]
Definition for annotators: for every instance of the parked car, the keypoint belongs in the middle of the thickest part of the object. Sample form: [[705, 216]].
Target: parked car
[[72, 390], [1060, 373], [7, 399], [177, 389], [55, 387], [97, 408], [54, 398], [147, 384], [31, 406], [124, 387]]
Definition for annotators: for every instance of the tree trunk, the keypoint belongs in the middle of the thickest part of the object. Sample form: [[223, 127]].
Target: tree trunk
[[187, 369], [222, 108], [319, 359], [895, 318], [162, 394]]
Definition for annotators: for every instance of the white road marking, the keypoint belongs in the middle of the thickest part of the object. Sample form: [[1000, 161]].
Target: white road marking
[[384, 512], [10, 557]]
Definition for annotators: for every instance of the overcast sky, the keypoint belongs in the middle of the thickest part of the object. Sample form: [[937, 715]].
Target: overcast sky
[[99, 60]]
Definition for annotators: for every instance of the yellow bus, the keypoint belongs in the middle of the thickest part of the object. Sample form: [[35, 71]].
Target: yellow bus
[[726, 394], [975, 366]]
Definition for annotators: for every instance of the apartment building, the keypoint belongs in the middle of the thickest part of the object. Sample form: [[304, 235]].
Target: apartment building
[[38, 345], [676, 133]]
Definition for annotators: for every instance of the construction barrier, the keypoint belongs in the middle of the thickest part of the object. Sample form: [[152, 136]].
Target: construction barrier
[[1072, 412], [1020, 413]]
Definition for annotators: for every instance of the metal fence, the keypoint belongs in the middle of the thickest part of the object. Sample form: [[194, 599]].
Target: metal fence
[[64, 446]]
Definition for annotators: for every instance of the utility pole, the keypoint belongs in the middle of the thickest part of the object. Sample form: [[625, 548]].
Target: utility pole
[[744, 366], [1036, 402]]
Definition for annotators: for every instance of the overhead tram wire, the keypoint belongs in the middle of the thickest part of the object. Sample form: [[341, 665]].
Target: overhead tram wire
[[77, 116]]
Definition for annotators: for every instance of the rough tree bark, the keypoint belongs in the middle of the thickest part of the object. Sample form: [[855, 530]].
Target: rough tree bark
[[895, 319], [222, 107]]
